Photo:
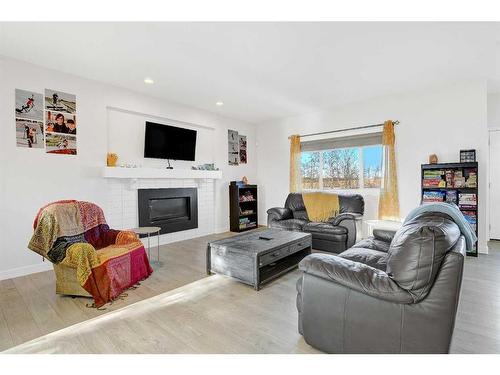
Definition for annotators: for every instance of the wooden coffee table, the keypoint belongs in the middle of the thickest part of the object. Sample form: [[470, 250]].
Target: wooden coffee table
[[258, 257]]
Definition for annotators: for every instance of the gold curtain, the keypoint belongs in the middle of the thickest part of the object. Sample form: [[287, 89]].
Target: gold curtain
[[295, 177], [388, 204]]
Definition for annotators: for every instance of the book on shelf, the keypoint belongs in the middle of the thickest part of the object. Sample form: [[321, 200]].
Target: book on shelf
[[471, 218], [245, 222], [449, 174], [467, 200], [434, 173], [246, 212], [433, 196], [451, 196], [471, 181], [247, 197], [458, 179], [433, 178]]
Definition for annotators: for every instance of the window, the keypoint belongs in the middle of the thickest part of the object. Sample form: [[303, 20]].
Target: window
[[341, 169], [326, 166], [372, 166], [310, 170]]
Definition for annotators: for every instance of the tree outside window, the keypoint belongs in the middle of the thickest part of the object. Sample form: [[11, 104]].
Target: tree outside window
[[310, 170], [341, 168]]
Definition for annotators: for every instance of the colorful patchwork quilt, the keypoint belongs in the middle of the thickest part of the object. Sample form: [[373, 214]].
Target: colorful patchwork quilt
[[75, 234]]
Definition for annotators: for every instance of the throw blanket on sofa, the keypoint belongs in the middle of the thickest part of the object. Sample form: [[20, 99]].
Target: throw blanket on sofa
[[321, 206], [453, 212], [75, 234]]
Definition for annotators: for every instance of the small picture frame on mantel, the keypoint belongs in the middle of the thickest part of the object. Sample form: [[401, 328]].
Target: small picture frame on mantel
[[467, 156]]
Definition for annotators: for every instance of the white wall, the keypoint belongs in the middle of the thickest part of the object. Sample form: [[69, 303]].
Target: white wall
[[30, 178], [494, 111], [436, 121]]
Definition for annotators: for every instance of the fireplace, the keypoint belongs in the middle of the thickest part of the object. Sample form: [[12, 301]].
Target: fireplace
[[172, 210]]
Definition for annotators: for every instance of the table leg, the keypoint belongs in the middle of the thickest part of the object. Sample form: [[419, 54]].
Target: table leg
[[149, 247], [158, 247]]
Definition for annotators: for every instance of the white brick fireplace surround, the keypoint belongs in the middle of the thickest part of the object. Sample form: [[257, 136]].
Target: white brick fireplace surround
[[121, 208]]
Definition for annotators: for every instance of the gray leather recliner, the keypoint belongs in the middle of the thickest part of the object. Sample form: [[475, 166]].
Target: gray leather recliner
[[396, 292]]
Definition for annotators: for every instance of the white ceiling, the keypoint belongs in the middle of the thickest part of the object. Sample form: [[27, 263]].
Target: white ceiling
[[262, 70]]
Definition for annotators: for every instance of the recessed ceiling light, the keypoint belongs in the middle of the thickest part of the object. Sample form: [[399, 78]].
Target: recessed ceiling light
[[148, 81], [219, 103]]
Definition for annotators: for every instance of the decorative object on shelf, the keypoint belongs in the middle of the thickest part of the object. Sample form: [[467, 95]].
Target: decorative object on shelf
[[242, 206], [111, 159], [205, 167], [433, 159], [245, 180], [455, 183], [233, 147], [60, 122], [467, 156], [243, 148], [29, 119]]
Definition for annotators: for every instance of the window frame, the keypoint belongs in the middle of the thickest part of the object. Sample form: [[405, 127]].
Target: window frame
[[361, 175]]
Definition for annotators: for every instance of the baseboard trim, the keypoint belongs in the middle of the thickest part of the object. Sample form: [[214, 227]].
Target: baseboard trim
[[483, 249], [26, 270]]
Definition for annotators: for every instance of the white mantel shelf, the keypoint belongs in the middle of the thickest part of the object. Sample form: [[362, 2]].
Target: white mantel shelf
[[139, 173]]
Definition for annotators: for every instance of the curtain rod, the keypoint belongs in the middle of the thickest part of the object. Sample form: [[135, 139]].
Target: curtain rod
[[346, 129]]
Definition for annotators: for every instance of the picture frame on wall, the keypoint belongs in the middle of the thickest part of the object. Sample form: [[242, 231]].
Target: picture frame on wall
[[29, 119], [243, 148], [233, 147], [60, 123], [467, 156]]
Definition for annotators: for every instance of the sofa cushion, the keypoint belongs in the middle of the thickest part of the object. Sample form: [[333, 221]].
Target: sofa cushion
[[418, 249], [373, 244], [295, 203], [370, 257], [288, 224], [352, 203], [327, 228]]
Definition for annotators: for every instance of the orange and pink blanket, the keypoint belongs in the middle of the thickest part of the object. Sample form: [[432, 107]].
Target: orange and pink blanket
[[75, 234]]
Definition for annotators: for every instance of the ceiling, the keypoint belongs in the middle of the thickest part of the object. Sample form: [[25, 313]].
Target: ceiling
[[259, 70]]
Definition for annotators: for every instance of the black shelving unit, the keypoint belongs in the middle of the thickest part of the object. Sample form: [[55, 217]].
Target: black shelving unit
[[242, 206], [455, 184]]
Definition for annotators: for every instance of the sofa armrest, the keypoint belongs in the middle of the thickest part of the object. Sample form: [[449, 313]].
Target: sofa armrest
[[350, 221], [341, 217], [384, 234], [125, 237], [279, 213], [356, 276], [80, 253]]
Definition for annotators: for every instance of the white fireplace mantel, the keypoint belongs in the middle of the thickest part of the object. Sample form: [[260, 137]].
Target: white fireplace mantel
[[143, 173]]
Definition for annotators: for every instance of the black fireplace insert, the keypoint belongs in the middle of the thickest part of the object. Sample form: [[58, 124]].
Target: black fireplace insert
[[172, 209]]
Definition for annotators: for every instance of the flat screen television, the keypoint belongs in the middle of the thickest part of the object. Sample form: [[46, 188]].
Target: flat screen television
[[169, 142]]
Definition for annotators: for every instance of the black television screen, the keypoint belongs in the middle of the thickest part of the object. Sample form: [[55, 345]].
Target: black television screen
[[169, 142]]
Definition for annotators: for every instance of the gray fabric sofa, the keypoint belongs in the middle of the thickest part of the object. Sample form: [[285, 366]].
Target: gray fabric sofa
[[396, 292], [336, 235]]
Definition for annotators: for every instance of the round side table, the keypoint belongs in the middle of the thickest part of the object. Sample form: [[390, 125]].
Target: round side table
[[149, 231]]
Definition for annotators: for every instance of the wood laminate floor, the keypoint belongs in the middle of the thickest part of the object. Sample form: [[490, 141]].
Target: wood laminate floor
[[181, 310]]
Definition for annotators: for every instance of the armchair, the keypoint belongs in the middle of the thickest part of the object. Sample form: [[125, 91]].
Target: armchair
[[336, 235], [396, 292], [89, 258]]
